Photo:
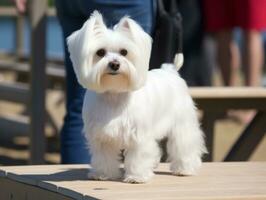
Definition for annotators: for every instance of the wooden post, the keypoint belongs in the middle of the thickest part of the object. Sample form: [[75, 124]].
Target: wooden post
[[248, 141], [37, 11], [208, 123], [20, 21]]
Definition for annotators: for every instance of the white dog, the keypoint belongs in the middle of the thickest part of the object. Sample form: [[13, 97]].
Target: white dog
[[128, 107]]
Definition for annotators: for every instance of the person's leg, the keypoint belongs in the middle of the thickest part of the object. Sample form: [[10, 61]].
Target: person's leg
[[195, 69], [74, 147], [227, 57], [143, 12], [253, 57], [72, 15], [73, 143]]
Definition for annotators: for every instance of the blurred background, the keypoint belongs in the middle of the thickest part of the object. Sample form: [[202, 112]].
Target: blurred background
[[201, 68]]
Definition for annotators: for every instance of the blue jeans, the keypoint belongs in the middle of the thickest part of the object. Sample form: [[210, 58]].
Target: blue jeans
[[72, 14]]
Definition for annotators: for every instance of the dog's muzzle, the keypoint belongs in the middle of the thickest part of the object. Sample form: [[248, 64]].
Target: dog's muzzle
[[114, 65]]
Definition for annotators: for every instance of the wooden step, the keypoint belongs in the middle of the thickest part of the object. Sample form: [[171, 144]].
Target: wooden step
[[54, 71], [7, 11], [14, 125], [14, 92]]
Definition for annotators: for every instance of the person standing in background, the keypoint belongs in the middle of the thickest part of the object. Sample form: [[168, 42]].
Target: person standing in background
[[72, 14], [195, 70], [221, 18]]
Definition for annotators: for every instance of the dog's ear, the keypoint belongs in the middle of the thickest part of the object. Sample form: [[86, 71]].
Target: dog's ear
[[128, 25], [96, 23], [134, 32], [93, 26], [80, 44]]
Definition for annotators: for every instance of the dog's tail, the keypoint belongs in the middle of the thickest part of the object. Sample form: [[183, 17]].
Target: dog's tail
[[178, 60], [173, 67]]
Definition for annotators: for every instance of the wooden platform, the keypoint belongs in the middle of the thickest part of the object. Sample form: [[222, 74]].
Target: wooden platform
[[216, 100], [231, 180]]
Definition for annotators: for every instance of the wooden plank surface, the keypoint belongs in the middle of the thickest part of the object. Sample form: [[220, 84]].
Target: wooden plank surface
[[224, 98], [242, 180], [227, 92]]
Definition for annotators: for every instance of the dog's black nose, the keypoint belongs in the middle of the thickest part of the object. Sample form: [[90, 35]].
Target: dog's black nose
[[114, 65]]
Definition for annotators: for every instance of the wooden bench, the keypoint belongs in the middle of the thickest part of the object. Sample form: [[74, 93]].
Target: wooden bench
[[212, 100], [231, 180], [215, 100]]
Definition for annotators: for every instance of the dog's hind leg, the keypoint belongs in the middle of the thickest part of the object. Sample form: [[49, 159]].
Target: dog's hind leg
[[185, 147]]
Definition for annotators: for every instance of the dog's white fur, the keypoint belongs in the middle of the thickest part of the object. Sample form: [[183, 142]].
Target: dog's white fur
[[132, 109]]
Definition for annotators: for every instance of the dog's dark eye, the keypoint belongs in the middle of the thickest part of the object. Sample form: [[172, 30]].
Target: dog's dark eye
[[101, 52], [123, 52]]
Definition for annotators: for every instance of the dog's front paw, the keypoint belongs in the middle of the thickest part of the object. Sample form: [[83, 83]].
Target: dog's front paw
[[183, 172], [188, 168], [137, 178], [97, 176], [94, 175]]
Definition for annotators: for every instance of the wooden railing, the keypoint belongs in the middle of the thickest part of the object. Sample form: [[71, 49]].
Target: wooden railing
[[34, 93], [20, 20], [12, 12]]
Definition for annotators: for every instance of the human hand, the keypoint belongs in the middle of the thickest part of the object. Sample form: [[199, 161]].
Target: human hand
[[20, 5]]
